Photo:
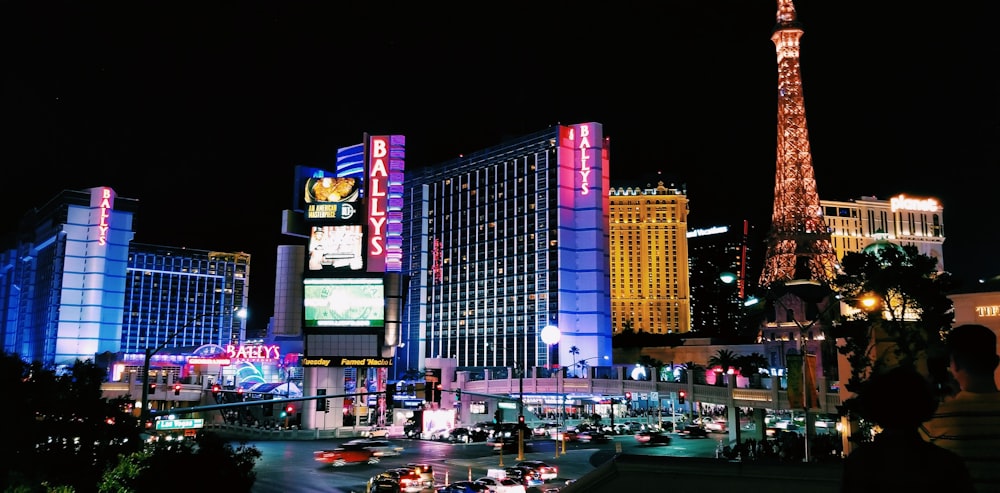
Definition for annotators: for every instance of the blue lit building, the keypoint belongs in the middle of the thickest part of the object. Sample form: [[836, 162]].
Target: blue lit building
[[503, 242]]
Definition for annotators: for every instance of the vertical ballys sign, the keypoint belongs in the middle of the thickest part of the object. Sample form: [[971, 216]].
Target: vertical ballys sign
[[386, 155]]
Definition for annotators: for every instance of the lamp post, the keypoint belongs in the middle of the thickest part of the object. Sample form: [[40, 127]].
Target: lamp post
[[519, 371], [583, 363], [149, 352], [550, 336]]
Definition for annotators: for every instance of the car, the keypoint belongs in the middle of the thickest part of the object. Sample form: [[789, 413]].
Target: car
[[381, 448], [652, 438], [464, 435], [502, 485], [425, 470], [464, 487], [544, 469], [693, 431], [593, 436], [717, 426], [400, 480], [508, 444], [544, 429], [524, 475], [564, 435], [377, 432], [342, 456]]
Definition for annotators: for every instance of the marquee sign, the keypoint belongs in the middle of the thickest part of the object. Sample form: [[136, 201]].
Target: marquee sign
[[336, 361]]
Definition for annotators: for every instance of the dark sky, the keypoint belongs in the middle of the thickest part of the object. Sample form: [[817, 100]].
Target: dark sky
[[201, 110]]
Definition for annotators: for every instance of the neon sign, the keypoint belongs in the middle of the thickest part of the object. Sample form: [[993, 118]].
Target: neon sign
[[584, 146], [988, 311], [904, 203], [378, 180], [105, 203], [254, 352]]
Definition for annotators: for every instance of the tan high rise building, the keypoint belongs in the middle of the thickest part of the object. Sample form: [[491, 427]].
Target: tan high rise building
[[649, 260], [904, 220]]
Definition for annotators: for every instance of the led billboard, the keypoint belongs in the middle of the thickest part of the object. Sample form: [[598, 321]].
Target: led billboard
[[336, 248], [347, 302]]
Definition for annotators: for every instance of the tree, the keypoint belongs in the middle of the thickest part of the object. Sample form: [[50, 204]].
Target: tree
[[907, 325], [725, 359], [574, 351], [143, 471], [62, 418], [749, 366]]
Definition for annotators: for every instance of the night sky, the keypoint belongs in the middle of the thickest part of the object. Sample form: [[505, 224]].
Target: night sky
[[201, 110]]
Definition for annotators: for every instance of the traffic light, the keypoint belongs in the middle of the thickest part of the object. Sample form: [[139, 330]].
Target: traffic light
[[628, 396], [326, 406], [458, 395], [680, 397], [498, 416], [437, 394], [177, 389], [151, 388], [520, 419], [290, 409]]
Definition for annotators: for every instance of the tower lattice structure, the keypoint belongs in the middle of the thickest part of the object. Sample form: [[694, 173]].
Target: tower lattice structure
[[798, 244]]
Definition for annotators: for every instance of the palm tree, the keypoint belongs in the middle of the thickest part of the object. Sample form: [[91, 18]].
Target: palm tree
[[574, 351], [750, 365], [726, 359]]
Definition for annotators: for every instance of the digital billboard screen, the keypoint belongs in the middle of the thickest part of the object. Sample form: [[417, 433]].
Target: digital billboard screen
[[333, 302], [336, 248]]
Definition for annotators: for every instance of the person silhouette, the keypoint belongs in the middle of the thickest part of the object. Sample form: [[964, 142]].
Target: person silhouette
[[969, 423], [898, 458]]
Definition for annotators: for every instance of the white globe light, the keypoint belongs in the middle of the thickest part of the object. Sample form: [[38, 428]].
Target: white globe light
[[550, 334]]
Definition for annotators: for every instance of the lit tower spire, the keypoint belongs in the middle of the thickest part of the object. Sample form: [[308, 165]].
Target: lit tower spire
[[798, 244]]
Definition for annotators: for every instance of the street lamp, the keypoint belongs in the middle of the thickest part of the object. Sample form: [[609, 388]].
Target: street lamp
[[583, 363], [550, 336], [149, 352]]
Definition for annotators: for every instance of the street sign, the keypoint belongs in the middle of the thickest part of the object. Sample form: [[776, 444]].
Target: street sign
[[654, 396], [179, 424]]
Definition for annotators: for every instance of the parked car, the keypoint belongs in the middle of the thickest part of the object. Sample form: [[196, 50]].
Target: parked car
[[652, 438], [693, 431], [544, 469], [345, 455], [502, 485]]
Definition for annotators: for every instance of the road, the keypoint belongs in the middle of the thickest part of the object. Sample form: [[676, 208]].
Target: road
[[288, 466]]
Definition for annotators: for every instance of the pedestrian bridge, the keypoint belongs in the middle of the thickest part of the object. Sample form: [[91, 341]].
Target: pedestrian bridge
[[771, 396]]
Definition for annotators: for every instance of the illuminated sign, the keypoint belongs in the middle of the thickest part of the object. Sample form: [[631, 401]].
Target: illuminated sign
[[715, 230], [179, 424], [254, 352], [384, 194], [342, 302], [988, 311], [904, 203], [103, 198], [584, 146], [333, 248], [378, 197], [201, 360], [347, 361]]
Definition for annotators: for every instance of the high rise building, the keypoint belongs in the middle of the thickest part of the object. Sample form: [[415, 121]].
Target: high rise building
[[504, 242], [195, 294], [798, 244], [73, 286], [62, 284], [649, 260], [857, 223], [719, 264]]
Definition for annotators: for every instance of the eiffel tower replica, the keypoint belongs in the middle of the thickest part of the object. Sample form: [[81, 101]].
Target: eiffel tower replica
[[798, 243]]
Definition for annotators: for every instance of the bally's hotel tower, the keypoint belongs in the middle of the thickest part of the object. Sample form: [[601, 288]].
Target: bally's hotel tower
[[504, 242]]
